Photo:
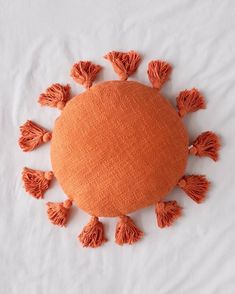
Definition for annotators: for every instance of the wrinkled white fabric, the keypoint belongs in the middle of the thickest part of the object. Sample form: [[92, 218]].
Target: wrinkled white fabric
[[39, 42]]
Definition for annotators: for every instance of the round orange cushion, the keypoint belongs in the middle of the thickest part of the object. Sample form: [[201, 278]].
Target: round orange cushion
[[118, 147]]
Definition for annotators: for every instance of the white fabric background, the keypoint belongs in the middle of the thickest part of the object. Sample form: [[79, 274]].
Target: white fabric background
[[39, 42]]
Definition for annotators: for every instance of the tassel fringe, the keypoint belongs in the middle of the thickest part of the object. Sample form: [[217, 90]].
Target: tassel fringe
[[56, 95], [85, 72], [93, 234], [195, 186], [167, 213], [36, 182], [127, 232], [206, 144], [158, 73], [32, 135], [124, 63], [190, 101], [58, 213]]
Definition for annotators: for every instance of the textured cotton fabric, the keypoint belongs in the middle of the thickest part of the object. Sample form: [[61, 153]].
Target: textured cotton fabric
[[118, 147]]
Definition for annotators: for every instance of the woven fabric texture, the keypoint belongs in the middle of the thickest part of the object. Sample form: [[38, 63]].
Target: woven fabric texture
[[118, 147]]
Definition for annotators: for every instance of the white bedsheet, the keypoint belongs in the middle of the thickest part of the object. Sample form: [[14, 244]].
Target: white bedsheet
[[39, 41]]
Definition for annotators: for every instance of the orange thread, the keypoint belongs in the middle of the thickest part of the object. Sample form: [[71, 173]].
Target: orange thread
[[127, 232], [206, 144], [195, 186], [167, 213], [85, 72], [92, 234], [58, 213], [56, 95], [158, 73], [36, 182], [32, 135], [124, 63], [190, 101]]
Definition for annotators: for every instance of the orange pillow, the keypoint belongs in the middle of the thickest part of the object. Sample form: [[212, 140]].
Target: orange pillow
[[118, 147]]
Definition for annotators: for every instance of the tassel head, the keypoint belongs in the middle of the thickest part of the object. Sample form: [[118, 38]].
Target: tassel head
[[46, 137], [49, 175]]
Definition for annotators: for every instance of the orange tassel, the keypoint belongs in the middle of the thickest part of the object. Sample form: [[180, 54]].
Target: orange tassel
[[190, 101], [92, 234], [36, 182], [85, 72], [56, 95], [124, 64], [127, 232], [158, 73], [58, 213], [195, 186], [206, 144], [167, 213], [32, 135]]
